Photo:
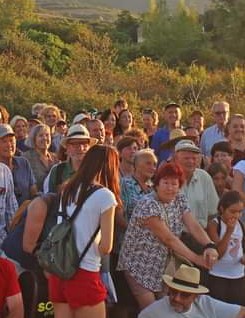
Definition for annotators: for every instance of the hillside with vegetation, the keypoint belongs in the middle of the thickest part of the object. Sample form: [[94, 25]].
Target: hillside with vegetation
[[108, 9], [183, 56]]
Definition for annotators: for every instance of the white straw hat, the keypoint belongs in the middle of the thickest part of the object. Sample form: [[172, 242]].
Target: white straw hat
[[186, 279], [78, 131]]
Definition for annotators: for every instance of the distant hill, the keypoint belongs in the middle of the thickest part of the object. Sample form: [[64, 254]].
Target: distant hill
[[78, 8]]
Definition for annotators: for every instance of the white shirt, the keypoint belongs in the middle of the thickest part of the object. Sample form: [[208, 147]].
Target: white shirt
[[86, 223], [203, 307], [201, 195], [229, 266]]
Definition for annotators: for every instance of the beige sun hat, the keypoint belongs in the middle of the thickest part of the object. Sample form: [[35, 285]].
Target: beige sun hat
[[175, 136], [186, 279], [78, 131]]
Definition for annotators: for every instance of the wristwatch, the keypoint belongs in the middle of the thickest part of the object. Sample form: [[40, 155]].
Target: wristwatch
[[210, 245]]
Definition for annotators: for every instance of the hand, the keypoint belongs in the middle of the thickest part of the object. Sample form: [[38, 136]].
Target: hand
[[210, 257], [242, 260], [230, 224], [200, 261]]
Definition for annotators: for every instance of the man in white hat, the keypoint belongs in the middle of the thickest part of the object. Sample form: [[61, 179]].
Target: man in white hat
[[76, 144], [81, 118], [198, 188], [186, 299]]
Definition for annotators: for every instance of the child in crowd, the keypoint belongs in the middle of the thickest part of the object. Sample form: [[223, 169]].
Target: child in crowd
[[219, 174], [226, 279]]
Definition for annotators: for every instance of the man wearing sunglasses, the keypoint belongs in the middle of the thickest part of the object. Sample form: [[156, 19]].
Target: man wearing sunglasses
[[186, 298]]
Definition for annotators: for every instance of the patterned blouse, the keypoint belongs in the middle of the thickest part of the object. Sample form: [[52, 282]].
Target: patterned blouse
[[142, 253], [131, 193]]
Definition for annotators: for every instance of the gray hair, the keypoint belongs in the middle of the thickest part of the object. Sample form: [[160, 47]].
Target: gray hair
[[226, 104], [30, 142], [142, 153]]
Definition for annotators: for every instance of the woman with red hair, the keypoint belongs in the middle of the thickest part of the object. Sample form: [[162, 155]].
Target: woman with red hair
[[154, 230]]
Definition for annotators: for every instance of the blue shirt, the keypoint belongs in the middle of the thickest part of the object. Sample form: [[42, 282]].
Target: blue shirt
[[161, 136], [20, 145], [210, 136], [23, 179]]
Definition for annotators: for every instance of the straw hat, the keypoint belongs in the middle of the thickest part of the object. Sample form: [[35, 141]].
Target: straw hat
[[175, 135], [186, 279], [78, 131]]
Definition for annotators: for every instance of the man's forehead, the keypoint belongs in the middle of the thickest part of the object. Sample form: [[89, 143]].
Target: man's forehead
[[187, 153], [172, 108], [180, 292], [221, 106]]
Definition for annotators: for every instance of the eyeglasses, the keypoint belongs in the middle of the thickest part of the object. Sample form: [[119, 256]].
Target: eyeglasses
[[78, 143], [219, 113]]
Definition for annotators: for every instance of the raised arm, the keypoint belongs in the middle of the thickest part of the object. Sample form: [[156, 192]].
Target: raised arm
[[221, 244]]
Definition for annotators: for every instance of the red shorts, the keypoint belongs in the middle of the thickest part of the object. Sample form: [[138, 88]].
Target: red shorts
[[83, 289]]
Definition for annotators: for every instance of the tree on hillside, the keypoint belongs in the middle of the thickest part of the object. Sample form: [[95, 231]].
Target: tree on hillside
[[56, 52], [226, 24], [125, 30], [173, 37], [13, 13]]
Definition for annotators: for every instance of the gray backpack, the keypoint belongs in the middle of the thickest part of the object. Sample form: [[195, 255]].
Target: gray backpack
[[58, 253]]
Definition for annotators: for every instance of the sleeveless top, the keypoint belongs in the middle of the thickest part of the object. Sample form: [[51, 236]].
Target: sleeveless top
[[229, 266]]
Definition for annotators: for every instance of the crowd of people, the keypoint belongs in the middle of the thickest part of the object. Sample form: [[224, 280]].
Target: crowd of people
[[170, 209]]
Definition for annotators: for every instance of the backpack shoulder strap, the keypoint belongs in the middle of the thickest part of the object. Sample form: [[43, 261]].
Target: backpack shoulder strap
[[90, 191], [219, 225], [89, 243], [19, 214]]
